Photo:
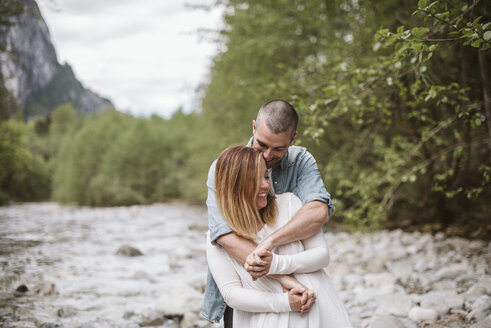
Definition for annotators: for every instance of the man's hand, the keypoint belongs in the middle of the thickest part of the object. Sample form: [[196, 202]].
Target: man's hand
[[258, 263]]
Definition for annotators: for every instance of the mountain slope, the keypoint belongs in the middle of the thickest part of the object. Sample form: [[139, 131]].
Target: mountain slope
[[32, 73]]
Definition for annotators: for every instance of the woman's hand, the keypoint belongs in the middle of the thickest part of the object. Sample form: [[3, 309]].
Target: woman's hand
[[258, 263], [296, 289], [295, 296], [310, 296]]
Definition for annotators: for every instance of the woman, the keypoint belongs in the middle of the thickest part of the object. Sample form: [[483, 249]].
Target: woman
[[244, 199]]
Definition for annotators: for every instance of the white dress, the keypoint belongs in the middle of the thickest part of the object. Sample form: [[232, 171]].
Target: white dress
[[262, 303]]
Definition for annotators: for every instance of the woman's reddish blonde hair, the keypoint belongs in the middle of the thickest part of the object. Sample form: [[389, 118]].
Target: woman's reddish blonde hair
[[237, 179]]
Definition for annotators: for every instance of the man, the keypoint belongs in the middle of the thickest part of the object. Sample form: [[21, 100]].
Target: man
[[292, 169]]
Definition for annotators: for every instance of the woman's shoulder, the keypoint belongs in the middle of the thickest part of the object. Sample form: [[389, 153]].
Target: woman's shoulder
[[287, 198], [288, 205]]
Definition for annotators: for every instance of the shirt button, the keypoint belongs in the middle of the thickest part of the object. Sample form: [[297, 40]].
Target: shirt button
[[276, 182]]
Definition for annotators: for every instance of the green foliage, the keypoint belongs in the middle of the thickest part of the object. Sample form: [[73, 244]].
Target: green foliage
[[116, 159], [393, 98], [23, 176], [390, 97], [422, 149], [9, 107]]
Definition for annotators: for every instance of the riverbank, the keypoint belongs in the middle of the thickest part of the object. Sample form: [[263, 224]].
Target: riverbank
[[79, 267]]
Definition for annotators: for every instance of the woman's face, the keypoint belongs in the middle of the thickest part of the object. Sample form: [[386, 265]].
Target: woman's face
[[264, 185]]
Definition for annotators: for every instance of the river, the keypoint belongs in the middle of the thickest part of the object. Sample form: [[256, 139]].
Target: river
[[75, 249], [385, 278]]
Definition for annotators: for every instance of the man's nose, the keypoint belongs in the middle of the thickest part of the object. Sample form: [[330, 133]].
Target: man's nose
[[267, 154]]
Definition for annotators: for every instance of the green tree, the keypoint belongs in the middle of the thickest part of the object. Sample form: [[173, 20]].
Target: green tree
[[81, 155], [398, 123], [415, 116], [23, 176]]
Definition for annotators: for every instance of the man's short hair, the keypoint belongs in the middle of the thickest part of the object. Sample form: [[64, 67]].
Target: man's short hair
[[279, 116]]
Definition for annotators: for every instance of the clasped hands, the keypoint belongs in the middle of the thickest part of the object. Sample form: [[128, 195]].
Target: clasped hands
[[300, 297]]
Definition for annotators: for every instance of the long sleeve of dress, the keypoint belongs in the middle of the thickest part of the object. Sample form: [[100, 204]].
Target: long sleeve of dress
[[230, 286], [314, 257]]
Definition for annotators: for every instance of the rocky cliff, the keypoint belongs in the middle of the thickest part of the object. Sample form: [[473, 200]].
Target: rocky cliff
[[31, 70]]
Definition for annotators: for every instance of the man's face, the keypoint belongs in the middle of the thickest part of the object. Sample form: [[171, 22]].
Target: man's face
[[273, 146]]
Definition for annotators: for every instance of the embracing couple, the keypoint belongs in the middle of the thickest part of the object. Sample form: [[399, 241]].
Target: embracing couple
[[266, 250]]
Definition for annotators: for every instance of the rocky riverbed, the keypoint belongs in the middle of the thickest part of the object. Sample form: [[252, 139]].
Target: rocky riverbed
[[145, 266]]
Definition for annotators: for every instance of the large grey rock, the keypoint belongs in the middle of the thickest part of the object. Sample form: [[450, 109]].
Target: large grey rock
[[379, 279], [485, 323], [421, 314], [371, 294], [441, 301], [481, 287], [385, 322], [337, 271], [452, 271], [179, 301], [352, 280], [402, 270], [377, 264], [397, 304], [481, 308]]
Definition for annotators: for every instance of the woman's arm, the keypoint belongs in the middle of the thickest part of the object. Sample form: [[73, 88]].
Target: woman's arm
[[237, 297], [314, 257]]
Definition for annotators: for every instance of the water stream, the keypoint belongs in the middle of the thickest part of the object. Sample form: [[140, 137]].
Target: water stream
[[75, 249]]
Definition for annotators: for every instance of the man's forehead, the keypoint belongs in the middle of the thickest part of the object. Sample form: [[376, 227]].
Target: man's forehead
[[271, 139]]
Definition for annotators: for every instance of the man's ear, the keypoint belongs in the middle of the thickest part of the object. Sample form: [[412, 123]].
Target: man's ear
[[293, 138], [253, 126]]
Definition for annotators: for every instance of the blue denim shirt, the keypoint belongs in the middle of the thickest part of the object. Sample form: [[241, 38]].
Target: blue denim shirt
[[297, 172]]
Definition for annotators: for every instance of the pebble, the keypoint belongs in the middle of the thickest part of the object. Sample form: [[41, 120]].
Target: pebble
[[66, 311], [416, 279], [152, 322], [130, 251], [45, 289], [21, 290]]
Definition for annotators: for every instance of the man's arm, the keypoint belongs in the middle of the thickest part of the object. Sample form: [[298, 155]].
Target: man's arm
[[308, 220], [237, 247]]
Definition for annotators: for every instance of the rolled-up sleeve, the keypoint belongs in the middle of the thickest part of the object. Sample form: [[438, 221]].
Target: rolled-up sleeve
[[310, 186], [216, 223]]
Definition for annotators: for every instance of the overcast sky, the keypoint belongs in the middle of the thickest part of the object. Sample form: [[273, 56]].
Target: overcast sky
[[146, 56]]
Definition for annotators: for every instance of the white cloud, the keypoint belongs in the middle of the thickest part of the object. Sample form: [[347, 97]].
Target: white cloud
[[146, 57]]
